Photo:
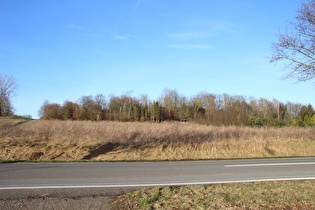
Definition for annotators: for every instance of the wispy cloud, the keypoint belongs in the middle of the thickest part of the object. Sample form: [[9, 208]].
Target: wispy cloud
[[191, 46], [213, 26], [85, 31], [189, 35], [96, 34], [78, 27], [123, 37], [137, 4]]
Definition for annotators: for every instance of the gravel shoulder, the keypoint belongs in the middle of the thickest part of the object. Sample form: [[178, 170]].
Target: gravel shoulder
[[80, 198], [101, 202]]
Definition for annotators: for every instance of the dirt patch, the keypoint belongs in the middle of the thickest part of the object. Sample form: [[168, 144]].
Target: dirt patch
[[36, 155], [46, 202]]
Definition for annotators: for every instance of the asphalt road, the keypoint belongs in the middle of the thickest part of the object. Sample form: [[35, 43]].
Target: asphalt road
[[66, 185], [141, 174]]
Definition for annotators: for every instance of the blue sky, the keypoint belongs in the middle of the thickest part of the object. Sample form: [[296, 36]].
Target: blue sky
[[60, 50]]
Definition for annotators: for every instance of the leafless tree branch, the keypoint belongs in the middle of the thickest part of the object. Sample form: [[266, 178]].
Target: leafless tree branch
[[297, 48]]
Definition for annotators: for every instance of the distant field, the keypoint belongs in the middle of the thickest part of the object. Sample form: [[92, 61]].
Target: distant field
[[118, 141]]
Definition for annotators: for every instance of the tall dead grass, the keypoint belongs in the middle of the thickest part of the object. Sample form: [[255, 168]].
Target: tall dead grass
[[169, 140], [6, 123]]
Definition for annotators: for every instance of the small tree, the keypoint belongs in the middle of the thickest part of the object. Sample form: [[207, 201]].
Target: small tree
[[8, 86], [50, 111], [294, 123], [252, 121], [170, 100], [183, 109], [157, 113], [136, 112], [68, 110], [306, 120]]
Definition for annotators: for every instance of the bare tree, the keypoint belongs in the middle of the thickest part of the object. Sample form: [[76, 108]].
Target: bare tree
[[296, 45], [170, 100], [8, 86]]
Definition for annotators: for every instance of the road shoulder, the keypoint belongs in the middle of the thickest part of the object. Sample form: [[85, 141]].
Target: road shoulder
[[80, 198]]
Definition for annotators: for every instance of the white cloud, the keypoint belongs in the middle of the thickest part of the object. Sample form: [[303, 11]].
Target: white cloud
[[84, 30], [188, 35], [78, 27], [191, 46], [123, 37], [96, 34]]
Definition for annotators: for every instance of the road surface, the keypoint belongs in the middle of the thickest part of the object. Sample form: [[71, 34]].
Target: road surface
[[20, 180], [134, 174]]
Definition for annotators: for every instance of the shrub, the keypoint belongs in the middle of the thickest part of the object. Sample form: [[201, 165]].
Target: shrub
[[281, 123], [301, 123], [294, 123], [50, 111], [306, 119]]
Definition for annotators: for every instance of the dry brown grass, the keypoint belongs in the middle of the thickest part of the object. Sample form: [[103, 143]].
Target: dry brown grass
[[7, 123], [105, 140]]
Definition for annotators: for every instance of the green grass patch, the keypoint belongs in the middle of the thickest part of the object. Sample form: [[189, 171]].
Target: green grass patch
[[258, 195], [14, 117], [21, 122]]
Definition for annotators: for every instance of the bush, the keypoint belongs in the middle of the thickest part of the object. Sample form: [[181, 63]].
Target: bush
[[306, 119], [257, 122], [281, 124], [301, 123], [50, 111], [252, 121], [294, 123]]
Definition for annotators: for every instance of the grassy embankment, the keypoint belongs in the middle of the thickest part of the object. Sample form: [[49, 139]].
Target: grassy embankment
[[75, 140], [117, 141], [259, 195]]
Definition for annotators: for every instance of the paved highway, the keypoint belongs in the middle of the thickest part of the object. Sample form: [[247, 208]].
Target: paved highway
[[19, 176]]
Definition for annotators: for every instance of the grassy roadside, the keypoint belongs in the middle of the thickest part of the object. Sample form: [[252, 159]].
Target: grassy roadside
[[44, 140], [258, 195]]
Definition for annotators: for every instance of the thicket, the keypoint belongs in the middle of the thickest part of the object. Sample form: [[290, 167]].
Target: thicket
[[202, 108]]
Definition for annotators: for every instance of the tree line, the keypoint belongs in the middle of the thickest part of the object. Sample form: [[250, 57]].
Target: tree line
[[205, 108]]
